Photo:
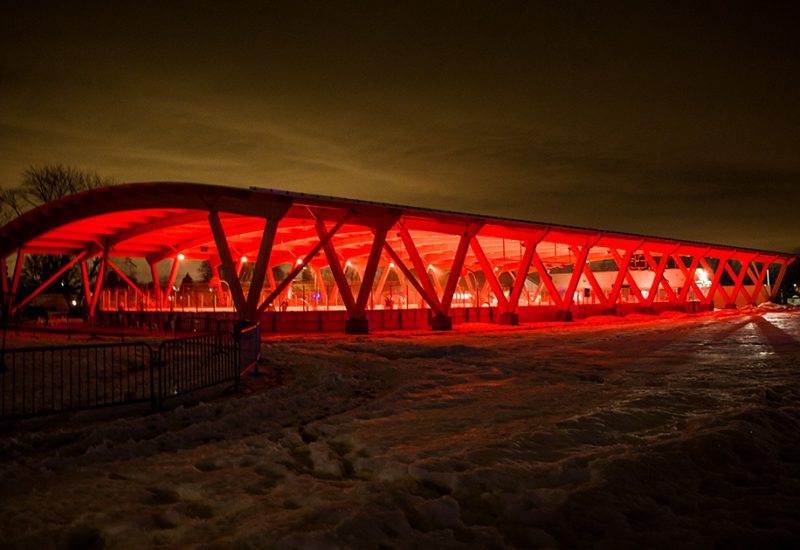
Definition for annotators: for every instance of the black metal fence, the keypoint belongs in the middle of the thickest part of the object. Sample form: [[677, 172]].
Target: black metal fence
[[47, 380], [44, 380]]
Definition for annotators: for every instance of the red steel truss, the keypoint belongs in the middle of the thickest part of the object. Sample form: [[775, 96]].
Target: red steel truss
[[355, 249]]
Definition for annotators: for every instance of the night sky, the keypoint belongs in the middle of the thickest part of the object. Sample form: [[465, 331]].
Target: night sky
[[649, 117]]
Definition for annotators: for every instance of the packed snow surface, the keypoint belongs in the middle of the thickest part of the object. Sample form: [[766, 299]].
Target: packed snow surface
[[678, 431]]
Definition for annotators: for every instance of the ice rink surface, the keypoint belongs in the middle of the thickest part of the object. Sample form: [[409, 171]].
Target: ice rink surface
[[674, 431]]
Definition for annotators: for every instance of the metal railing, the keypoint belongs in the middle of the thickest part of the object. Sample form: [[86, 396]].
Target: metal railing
[[44, 380], [54, 379], [189, 364]]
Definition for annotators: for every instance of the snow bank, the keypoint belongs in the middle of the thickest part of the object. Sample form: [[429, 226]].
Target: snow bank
[[655, 432]]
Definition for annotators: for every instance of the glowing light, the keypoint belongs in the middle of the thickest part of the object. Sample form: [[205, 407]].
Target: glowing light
[[391, 265], [299, 261], [181, 257], [430, 266], [645, 294], [244, 259], [74, 303], [497, 269], [702, 277], [348, 263]]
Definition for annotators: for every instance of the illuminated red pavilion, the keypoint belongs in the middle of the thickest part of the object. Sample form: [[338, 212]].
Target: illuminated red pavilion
[[295, 261]]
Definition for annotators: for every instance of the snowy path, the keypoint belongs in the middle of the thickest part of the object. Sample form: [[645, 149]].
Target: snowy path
[[675, 431]]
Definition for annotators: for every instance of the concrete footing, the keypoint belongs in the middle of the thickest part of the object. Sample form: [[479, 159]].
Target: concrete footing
[[509, 319], [441, 322], [356, 326], [608, 311], [563, 315], [647, 311]]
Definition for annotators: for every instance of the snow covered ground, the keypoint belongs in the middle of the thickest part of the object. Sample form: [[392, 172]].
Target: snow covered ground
[[679, 431]]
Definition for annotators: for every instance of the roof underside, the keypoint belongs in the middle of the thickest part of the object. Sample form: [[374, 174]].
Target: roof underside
[[156, 221]]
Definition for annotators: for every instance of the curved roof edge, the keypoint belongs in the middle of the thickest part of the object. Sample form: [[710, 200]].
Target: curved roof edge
[[257, 201]]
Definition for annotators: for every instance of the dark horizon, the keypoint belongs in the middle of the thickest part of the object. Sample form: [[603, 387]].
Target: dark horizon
[[679, 121]]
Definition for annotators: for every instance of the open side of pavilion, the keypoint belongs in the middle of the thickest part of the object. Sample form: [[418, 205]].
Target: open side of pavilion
[[263, 243]]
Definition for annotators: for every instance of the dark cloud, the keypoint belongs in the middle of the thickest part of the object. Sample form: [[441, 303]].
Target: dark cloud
[[673, 119]]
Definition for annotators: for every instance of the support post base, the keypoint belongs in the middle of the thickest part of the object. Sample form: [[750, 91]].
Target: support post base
[[647, 310], [509, 319], [679, 308], [356, 326], [730, 306], [441, 322], [608, 311], [563, 315]]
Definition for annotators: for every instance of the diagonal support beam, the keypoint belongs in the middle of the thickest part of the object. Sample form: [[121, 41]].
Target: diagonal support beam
[[548, 282], [625, 267], [489, 274], [622, 264], [262, 264], [658, 277], [596, 288], [778, 280], [49, 281], [738, 279], [759, 281], [98, 284], [127, 279], [228, 267], [458, 264], [673, 299], [688, 277], [419, 266], [368, 277], [717, 279], [303, 263], [336, 269], [522, 274], [577, 269], [432, 302]]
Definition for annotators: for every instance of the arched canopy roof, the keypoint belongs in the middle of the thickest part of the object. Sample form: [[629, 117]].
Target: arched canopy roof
[[159, 220]]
